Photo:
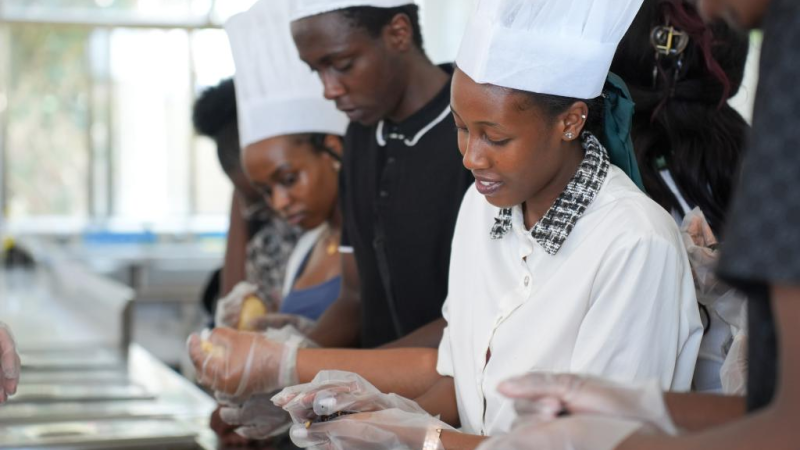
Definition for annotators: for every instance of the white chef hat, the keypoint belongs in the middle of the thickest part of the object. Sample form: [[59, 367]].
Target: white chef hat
[[557, 47], [307, 8], [276, 93]]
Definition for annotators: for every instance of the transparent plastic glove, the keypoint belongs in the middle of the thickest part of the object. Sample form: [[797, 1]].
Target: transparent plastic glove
[[226, 434], [733, 373], [541, 397], [390, 429], [229, 308], [302, 324], [9, 363], [255, 417], [570, 433], [289, 334], [333, 391], [240, 363]]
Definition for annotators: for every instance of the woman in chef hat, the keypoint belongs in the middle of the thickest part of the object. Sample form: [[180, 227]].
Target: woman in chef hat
[[560, 262], [291, 147]]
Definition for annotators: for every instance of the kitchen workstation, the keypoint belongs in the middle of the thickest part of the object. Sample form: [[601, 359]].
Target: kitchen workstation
[[86, 384]]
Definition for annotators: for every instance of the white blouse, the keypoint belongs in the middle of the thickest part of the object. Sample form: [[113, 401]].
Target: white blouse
[[615, 299]]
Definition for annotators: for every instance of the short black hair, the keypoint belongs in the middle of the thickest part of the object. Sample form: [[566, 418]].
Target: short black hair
[[373, 20], [554, 105], [214, 116]]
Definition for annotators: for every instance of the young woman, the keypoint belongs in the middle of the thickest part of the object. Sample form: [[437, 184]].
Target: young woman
[[259, 242], [291, 147], [761, 256], [298, 175], [689, 140]]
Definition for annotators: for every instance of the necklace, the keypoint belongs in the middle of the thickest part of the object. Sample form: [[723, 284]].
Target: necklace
[[332, 248], [331, 244]]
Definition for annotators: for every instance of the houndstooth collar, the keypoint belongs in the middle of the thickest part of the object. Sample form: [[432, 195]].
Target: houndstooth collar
[[555, 226]]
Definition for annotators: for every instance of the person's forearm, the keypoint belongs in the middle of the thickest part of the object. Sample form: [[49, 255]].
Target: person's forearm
[[696, 412], [339, 326], [429, 336], [440, 400], [769, 429], [452, 440], [233, 270], [406, 372]]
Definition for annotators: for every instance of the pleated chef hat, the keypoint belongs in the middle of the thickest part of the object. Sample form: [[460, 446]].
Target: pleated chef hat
[[557, 47], [307, 8], [276, 93]]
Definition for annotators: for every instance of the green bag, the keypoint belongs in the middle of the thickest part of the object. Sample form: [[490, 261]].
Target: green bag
[[619, 108]]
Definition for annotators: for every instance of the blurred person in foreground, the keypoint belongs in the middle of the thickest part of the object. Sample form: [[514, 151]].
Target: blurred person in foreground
[[9, 364], [761, 256]]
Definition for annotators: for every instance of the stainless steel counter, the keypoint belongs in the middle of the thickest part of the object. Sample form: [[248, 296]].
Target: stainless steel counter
[[79, 388]]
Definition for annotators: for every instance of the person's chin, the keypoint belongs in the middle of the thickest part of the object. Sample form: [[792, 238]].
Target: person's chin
[[364, 116], [500, 198], [310, 222]]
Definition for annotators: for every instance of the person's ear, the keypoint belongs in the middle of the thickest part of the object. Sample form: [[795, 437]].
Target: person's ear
[[334, 144], [399, 33], [573, 121]]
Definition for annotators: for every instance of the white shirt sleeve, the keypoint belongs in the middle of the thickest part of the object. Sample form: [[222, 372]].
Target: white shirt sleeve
[[444, 365], [631, 325]]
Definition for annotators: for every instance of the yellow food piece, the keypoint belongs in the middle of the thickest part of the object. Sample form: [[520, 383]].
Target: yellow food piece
[[252, 308], [211, 349]]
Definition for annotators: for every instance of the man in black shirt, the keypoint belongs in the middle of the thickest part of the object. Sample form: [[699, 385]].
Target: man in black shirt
[[402, 179]]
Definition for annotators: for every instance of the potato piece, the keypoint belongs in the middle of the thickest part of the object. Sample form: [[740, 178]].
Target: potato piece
[[211, 349], [252, 308]]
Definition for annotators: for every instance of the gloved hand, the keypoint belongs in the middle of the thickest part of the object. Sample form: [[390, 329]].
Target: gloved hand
[[229, 308], [226, 434], [255, 417], [9, 364], [302, 324], [390, 429], [569, 433], [541, 397], [333, 391], [733, 373], [240, 363]]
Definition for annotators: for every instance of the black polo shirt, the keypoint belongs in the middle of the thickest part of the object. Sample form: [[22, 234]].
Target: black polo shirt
[[400, 202], [762, 235]]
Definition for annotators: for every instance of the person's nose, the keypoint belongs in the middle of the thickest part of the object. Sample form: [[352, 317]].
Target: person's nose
[[333, 86], [474, 156], [280, 200]]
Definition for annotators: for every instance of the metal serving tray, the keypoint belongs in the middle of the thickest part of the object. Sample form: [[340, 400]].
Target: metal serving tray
[[89, 377], [29, 413], [58, 393], [117, 434]]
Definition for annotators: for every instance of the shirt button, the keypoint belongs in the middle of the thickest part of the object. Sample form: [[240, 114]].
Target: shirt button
[[527, 281], [391, 160], [384, 194]]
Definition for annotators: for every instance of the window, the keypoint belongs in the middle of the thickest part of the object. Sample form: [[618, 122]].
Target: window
[[95, 107]]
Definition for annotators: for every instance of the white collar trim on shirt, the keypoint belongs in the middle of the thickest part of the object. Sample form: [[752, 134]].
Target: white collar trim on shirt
[[553, 229], [415, 140]]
